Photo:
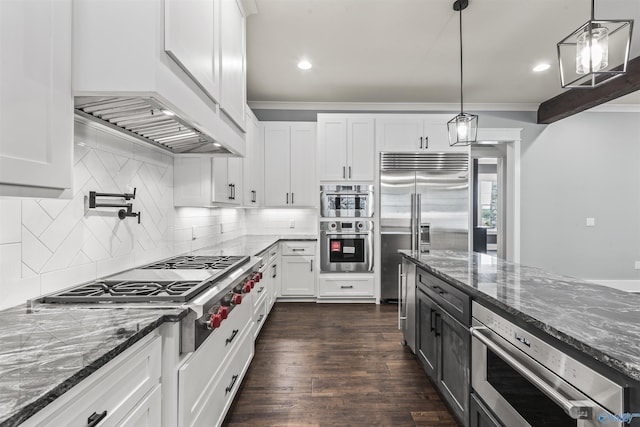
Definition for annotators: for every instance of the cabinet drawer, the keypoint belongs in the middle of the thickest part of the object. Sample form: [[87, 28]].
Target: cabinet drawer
[[259, 293], [356, 287], [199, 372], [272, 254], [225, 385], [116, 388], [148, 413], [298, 248], [454, 301], [259, 317]]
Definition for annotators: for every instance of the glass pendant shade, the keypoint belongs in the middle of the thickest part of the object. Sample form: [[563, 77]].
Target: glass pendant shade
[[463, 129], [594, 53]]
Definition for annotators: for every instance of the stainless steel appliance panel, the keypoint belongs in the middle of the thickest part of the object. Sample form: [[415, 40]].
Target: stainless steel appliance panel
[[346, 201], [407, 302], [423, 205], [346, 246], [528, 382]]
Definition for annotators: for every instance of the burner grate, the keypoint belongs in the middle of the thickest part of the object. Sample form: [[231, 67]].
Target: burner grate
[[198, 262]]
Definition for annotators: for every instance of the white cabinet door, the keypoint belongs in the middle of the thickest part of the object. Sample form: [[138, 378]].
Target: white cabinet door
[[253, 185], [400, 134], [221, 189], [192, 181], [192, 39], [227, 180], [361, 149], [36, 123], [298, 276], [303, 165], [332, 148], [148, 413], [276, 164], [436, 131], [232, 62]]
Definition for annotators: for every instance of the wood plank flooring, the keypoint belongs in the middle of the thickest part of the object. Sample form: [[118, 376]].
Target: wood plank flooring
[[335, 365]]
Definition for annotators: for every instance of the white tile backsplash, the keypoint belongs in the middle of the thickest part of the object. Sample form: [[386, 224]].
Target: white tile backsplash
[[10, 212]]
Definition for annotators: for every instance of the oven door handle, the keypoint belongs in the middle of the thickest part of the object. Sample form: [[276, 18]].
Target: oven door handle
[[349, 233], [576, 409]]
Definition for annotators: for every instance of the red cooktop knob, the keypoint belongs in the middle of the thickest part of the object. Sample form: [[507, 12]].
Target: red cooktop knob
[[252, 283], [237, 299], [247, 288], [215, 321], [256, 277], [223, 312]]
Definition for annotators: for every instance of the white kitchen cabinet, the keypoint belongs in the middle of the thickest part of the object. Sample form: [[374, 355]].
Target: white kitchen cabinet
[[427, 133], [148, 413], [272, 274], [346, 147], [125, 390], [298, 269], [227, 180], [36, 123], [233, 61], [192, 39], [346, 286], [192, 181], [253, 167], [289, 164]]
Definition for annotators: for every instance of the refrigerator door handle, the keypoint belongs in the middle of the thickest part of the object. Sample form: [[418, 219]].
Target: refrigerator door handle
[[415, 221]]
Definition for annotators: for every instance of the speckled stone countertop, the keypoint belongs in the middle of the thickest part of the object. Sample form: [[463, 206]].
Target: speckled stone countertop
[[601, 322], [46, 351]]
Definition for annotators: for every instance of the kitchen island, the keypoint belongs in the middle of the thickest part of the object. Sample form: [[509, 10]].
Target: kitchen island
[[595, 325], [47, 349]]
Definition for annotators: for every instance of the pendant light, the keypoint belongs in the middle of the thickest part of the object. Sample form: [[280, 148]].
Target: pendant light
[[463, 128], [594, 53]]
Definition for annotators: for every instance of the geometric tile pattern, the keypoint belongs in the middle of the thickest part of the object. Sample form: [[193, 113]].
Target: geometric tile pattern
[[58, 234]]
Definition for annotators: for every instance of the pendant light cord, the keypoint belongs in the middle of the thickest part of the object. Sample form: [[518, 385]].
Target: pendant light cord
[[461, 96], [593, 8]]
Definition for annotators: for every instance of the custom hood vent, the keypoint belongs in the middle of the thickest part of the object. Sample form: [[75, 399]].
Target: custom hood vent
[[148, 120]]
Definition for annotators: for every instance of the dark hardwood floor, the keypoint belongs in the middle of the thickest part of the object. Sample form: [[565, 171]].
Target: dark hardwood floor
[[335, 365]]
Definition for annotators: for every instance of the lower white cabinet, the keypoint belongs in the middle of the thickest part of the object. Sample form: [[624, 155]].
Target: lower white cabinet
[[349, 286], [298, 269], [200, 375], [274, 273], [124, 392]]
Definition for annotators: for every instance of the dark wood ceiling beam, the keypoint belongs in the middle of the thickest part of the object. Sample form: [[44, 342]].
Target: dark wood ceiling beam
[[575, 101]]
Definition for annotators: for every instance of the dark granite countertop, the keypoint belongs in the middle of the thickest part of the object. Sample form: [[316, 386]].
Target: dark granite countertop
[[45, 352], [601, 322], [49, 350]]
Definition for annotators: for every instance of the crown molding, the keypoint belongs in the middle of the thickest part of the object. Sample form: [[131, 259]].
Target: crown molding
[[388, 106]]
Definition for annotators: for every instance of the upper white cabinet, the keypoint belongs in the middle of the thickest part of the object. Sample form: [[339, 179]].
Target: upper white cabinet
[[289, 164], [192, 39], [119, 50], [253, 184], [233, 61], [192, 181], [227, 180], [346, 147], [36, 104], [414, 133]]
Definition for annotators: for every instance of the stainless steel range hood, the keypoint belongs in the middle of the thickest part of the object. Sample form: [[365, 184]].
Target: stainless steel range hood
[[148, 120]]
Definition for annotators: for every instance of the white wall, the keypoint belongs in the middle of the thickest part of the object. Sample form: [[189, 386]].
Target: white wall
[[585, 166]]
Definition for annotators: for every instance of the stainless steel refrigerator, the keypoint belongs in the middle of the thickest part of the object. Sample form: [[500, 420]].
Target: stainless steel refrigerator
[[424, 205]]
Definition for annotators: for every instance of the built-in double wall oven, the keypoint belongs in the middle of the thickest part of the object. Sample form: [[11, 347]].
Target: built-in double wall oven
[[346, 228]]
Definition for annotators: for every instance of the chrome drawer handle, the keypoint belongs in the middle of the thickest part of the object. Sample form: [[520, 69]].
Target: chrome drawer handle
[[346, 287]]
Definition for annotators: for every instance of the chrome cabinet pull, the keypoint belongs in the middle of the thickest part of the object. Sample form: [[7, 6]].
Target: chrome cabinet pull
[[349, 172], [292, 198], [576, 409], [344, 172], [287, 198], [230, 191], [346, 287], [421, 143], [311, 265], [426, 142], [297, 249]]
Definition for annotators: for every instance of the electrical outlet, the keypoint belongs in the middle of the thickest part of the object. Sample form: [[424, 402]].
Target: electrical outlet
[[193, 232], [591, 222], [292, 224], [637, 265]]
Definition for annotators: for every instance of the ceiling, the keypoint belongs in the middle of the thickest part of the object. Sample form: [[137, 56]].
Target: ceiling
[[407, 51]]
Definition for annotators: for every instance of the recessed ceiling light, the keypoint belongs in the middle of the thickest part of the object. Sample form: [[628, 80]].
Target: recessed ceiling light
[[217, 144], [541, 67], [304, 65], [168, 112]]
